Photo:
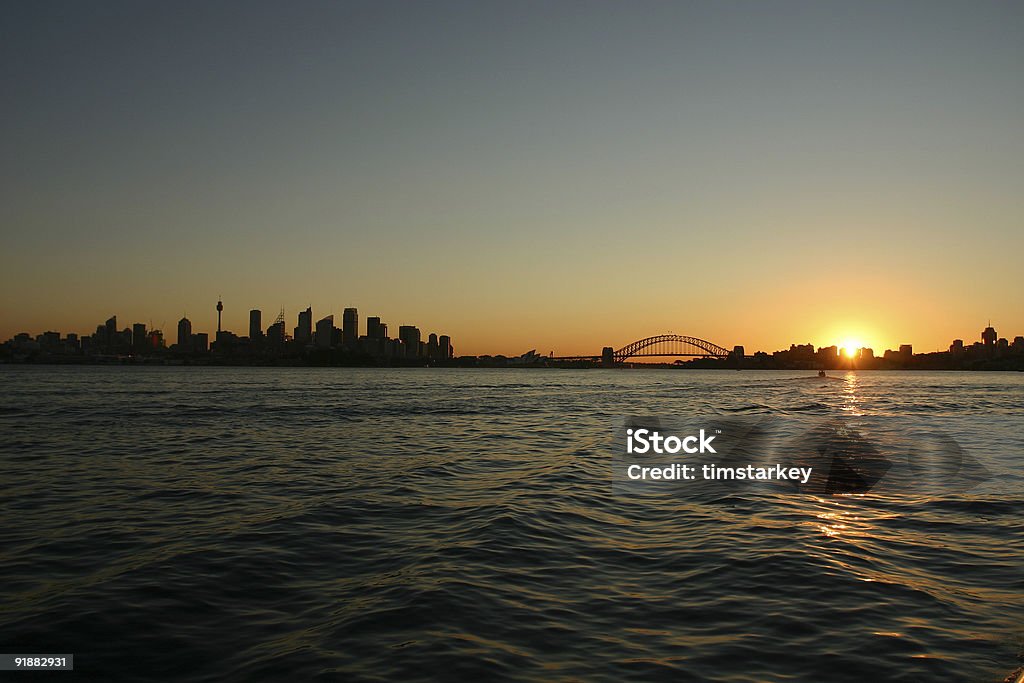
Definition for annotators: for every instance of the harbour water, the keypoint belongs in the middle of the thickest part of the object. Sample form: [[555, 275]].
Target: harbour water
[[271, 524]]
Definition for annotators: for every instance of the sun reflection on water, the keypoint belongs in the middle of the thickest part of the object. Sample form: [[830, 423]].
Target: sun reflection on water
[[851, 399]]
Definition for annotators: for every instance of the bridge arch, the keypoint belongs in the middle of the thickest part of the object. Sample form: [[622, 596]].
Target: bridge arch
[[670, 345]]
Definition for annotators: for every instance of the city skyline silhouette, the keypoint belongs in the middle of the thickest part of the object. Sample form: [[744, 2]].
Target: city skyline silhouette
[[320, 341]]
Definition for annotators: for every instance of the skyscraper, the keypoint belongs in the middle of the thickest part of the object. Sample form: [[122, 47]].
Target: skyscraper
[[432, 347], [445, 344], [989, 335], [410, 336], [304, 331], [185, 334], [373, 328], [350, 328], [275, 334], [255, 325], [324, 332], [139, 336]]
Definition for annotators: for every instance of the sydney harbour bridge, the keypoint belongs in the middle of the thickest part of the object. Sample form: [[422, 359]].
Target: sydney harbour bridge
[[661, 346]]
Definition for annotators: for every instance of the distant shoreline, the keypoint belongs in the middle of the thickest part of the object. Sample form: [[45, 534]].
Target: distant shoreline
[[1014, 365]]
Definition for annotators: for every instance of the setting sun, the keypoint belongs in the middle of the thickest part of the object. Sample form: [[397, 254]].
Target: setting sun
[[849, 347]]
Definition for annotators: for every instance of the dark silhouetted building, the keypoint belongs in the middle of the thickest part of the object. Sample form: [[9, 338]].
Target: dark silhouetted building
[[185, 334], [828, 355], [275, 334], [410, 338], [325, 332], [988, 335], [139, 336], [373, 328], [220, 309], [350, 328], [200, 342], [608, 356], [304, 331], [49, 341], [445, 344], [225, 342], [255, 325]]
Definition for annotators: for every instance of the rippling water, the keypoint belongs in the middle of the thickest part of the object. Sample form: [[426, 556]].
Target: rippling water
[[208, 524]]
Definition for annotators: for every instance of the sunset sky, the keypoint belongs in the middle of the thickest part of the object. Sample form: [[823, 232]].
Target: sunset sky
[[552, 175]]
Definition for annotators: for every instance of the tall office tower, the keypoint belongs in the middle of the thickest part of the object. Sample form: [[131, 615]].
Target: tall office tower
[[275, 334], [989, 335], [373, 328], [410, 336], [220, 307], [255, 324], [445, 344], [383, 331], [185, 334], [432, 348], [304, 331], [324, 332], [350, 328], [139, 336], [110, 329]]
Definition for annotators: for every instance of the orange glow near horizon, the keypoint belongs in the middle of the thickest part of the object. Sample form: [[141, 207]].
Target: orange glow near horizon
[[850, 347]]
